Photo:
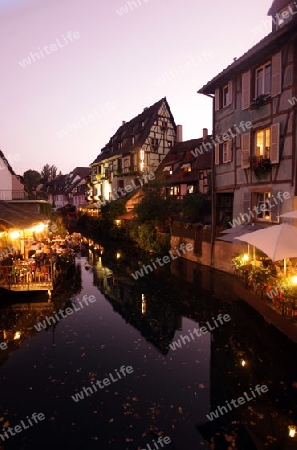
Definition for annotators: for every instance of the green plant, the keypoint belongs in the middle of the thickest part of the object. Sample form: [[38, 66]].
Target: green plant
[[261, 166]]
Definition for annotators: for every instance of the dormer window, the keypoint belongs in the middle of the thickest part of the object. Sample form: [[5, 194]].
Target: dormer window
[[284, 16], [132, 140]]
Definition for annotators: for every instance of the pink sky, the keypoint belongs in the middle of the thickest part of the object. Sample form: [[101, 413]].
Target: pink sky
[[118, 65]]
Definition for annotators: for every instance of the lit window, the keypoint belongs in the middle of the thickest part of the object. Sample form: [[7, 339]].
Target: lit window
[[263, 205], [263, 143], [263, 80]]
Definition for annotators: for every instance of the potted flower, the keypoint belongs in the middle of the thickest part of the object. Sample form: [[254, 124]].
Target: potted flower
[[259, 101], [261, 167]]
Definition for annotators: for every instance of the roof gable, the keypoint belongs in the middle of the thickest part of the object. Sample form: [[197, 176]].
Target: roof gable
[[133, 134], [277, 6]]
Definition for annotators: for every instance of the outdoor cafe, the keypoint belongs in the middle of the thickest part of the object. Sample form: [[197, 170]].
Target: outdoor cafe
[[269, 266]]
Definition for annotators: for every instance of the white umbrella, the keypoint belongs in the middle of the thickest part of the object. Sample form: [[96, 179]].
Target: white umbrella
[[278, 242], [292, 215]]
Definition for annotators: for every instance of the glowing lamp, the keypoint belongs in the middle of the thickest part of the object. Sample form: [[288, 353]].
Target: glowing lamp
[[15, 234], [17, 335], [292, 431], [243, 362], [294, 279], [245, 257]]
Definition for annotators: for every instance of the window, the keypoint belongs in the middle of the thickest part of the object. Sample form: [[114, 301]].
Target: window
[[119, 164], [120, 145], [266, 145], [263, 80], [223, 152], [282, 17], [174, 190], [154, 142], [190, 189], [169, 143], [263, 205], [262, 145], [132, 140], [225, 96]]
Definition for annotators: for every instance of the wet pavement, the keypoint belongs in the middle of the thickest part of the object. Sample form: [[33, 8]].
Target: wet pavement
[[168, 392]]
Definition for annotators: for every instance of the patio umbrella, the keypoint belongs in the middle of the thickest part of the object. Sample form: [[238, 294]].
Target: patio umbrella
[[232, 233], [290, 215], [278, 242]]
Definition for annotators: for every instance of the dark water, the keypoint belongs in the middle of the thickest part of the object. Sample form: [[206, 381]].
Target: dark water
[[170, 392]]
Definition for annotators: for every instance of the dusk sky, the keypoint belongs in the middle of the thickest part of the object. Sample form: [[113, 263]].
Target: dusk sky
[[117, 63]]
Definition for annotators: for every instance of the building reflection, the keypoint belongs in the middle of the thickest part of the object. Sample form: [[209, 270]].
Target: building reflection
[[19, 317], [139, 309]]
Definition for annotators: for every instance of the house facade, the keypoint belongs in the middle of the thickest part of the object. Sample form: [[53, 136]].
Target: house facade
[[133, 152], [68, 189], [255, 128], [11, 187], [186, 168]]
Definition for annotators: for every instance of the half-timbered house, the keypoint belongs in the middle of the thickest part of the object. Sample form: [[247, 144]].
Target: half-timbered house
[[255, 127], [136, 149]]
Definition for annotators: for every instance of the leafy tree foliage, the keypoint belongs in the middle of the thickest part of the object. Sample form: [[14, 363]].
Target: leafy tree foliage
[[49, 171], [31, 180]]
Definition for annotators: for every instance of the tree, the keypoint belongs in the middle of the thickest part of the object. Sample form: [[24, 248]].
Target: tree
[[49, 172], [31, 180]]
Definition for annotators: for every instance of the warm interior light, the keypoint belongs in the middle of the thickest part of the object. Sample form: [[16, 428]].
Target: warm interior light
[[292, 431], [14, 234], [294, 279], [143, 304], [119, 255], [243, 362], [17, 335], [246, 257]]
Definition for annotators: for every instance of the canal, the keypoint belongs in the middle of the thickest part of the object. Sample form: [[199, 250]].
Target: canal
[[122, 368]]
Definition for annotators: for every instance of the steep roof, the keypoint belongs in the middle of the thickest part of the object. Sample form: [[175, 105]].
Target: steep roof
[[180, 154], [278, 5], [138, 127], [7, 163], [267, 44]]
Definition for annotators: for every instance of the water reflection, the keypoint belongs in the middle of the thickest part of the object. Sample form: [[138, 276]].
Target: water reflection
[[171, 390], [242, 355], [18, 319]]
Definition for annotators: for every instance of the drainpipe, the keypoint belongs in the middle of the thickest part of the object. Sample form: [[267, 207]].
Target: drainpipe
[[213, 185]]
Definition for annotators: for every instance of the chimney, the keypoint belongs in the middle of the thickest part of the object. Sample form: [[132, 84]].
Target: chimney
[[179, 133], [123, 122], [204, 133]]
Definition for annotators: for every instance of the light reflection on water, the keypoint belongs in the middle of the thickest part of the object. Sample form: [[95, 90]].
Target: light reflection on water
[[134, 323]]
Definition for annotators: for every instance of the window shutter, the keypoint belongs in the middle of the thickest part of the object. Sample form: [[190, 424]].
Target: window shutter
[[230, 92], [245, 150], [229, 150], [274, 145], [276, 76], [217, 99], [217, 154], [246, 203], [275, 210], [246, 89]]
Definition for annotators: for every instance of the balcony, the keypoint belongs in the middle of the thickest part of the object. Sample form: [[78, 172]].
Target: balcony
[[12, 195]]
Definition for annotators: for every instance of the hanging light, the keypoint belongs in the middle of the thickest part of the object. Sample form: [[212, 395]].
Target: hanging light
[[292, 431]]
